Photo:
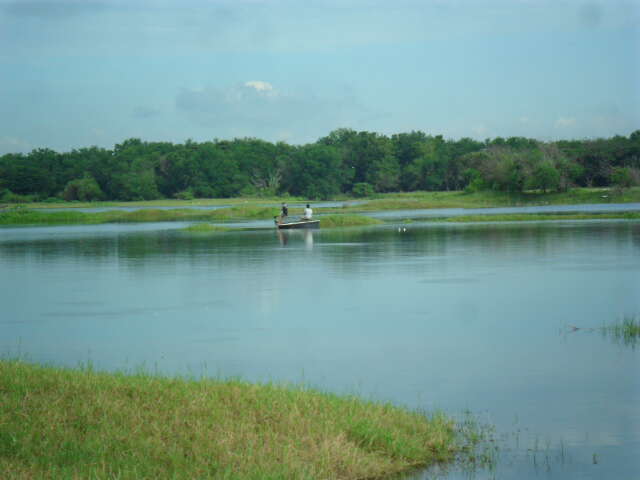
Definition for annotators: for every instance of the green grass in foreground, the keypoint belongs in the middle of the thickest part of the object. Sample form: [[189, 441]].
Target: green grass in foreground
[[529, 217], [331, 221], [60, 423]]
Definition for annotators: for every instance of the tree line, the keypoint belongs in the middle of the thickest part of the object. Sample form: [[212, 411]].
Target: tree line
[[344, 162]]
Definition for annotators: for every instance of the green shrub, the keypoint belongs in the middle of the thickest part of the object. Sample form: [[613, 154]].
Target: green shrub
[[363, 189], [84, 189], [9, 197], [185, 195], [625, 177]]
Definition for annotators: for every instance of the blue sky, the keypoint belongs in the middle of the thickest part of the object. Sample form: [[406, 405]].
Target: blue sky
[[76, 73]]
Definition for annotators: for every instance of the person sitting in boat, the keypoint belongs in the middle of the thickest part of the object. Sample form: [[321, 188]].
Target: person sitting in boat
[[308, 213]]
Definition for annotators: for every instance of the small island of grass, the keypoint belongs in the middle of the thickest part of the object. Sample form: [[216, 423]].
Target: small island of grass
[[331, 221], [61, 423]]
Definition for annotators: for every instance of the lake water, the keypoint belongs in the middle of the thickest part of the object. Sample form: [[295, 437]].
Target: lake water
[[455, 317]]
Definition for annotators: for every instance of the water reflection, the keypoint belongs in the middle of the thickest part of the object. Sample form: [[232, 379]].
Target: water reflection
[[425, 249], [306, 235]]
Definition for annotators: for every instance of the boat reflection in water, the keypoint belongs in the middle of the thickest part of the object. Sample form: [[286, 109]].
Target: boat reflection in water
[[307, 235]]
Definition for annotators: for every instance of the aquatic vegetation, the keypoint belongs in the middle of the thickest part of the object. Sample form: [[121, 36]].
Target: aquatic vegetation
[[84, 424], [479, 449], [331, 221], [626, 331]]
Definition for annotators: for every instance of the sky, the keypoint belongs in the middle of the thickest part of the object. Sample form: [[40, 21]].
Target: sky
[[77, 73]]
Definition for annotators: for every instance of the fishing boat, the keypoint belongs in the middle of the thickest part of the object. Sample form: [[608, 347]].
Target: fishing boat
[[300, 223]]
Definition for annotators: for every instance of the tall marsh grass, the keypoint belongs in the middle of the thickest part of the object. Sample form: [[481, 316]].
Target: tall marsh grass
[[625, 331], [59, 423]]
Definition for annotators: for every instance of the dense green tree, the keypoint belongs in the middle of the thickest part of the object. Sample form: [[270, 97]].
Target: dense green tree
[[545, 176], [625, 177], [362, 189], [342, 162], [408, 146], [315, 171], [84, 189], [30, 174], [505, 169], [140, 182]]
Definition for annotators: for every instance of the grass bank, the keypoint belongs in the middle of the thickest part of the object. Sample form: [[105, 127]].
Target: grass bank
[[532, 217], [459, 199], [396, 201], [25, 216], [59, 423], [255, 209]]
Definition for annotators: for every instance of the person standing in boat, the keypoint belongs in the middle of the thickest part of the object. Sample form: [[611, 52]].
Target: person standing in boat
[[285, 211], [308, 213]]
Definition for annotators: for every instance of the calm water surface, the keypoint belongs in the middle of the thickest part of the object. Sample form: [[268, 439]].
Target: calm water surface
[[454, 317]]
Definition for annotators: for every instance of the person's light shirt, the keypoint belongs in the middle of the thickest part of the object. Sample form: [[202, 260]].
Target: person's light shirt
[[307, 213]]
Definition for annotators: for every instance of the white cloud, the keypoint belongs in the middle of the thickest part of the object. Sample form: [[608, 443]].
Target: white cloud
[[565, 122], [14, 145], [259, 85], [258, 108], [480, 131]]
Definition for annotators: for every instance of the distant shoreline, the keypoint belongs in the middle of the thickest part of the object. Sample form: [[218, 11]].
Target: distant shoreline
[[258, 209]]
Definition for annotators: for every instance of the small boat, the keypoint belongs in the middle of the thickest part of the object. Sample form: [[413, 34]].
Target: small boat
[[301, 223]]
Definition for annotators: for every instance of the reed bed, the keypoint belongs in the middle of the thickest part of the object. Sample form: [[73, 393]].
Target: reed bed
[[60, 423], [626, 331]]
